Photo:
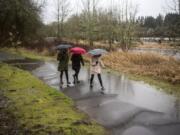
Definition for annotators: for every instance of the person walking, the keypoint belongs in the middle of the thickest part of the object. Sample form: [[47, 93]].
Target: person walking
[[96, 66], [77, 60], [63, 58]]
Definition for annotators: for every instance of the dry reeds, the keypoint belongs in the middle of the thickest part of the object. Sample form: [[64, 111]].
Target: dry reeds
[[160, 67]]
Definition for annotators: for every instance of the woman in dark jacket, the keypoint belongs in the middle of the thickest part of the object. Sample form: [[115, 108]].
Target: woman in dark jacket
[[77, 60], [63, 58]]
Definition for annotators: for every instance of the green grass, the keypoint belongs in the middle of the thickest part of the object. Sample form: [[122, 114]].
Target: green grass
[[32, 54], [159, 84], [40, 109]]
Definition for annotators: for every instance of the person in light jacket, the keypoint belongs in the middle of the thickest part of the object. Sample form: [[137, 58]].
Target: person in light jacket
[[96, 66]]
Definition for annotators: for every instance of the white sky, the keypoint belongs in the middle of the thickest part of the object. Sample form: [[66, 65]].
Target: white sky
[[145, 7]]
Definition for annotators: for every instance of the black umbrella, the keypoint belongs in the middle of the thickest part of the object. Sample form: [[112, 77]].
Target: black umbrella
[[63, 46]]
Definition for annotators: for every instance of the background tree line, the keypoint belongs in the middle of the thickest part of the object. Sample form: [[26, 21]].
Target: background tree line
[[116, 24], [110, 25], [19, 21], [161, 26]]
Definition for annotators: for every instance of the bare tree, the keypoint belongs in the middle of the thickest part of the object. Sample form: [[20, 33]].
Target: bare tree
[[107, 25], [90, 19], [173, 6], [39, 3], [179, 6], [126, 13], [62, 12]]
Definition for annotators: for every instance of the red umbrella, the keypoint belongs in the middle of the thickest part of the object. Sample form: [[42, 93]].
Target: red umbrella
[[78, 50]]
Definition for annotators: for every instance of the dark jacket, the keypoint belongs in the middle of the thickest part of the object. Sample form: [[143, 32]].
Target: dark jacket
[[63, 59], [77, 60]]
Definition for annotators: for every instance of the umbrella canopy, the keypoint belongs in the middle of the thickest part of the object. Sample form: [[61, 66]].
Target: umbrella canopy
[[63, 46], [78, 50], [96, 52]]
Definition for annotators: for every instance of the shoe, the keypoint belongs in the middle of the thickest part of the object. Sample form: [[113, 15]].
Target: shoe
[[102, 88], [102, 92], [91, 85], [68, 83], [62, 82], [78, 81]]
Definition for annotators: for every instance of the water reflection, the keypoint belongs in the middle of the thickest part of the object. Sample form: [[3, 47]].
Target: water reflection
[[135, 93], [177, 106], [118, 85]]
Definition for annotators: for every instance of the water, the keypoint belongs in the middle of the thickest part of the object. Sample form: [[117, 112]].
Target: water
[[128, 107], [133, 92], [8, 56]]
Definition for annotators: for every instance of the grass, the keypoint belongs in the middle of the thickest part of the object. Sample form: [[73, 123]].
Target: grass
[[40, 109], [32, 54], [161, 71], [154, 45], [149, 45]]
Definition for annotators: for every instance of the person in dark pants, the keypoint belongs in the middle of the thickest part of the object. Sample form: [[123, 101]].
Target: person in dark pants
[[77, 60], [95, 67], [63, 58]]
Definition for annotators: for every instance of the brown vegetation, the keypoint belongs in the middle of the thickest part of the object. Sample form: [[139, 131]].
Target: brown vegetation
[[152, 65], [149, 45]]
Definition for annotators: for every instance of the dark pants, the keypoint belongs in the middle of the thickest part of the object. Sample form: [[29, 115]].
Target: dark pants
[[99, 77], [76, 75], [61, 76]]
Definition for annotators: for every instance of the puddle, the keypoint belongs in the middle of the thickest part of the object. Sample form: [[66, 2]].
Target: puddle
[[136, 93]]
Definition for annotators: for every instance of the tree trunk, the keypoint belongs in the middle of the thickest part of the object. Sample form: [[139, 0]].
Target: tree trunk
[[179, 6], [58, 32], [91, 43], [110, 45]]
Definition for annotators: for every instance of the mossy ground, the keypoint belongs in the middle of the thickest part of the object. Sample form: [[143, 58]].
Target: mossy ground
[[32, 54], [40, 109]]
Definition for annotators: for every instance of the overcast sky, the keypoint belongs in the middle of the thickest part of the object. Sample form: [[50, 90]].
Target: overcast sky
[[145, 7]]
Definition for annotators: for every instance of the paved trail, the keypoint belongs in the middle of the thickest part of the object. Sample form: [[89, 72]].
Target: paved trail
[[127, 108]]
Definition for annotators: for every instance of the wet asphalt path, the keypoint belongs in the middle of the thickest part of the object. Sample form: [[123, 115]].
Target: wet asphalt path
[[127, 108]]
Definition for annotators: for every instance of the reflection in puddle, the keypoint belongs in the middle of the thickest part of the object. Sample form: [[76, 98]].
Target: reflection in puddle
[[129, 91], [177, 106]]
